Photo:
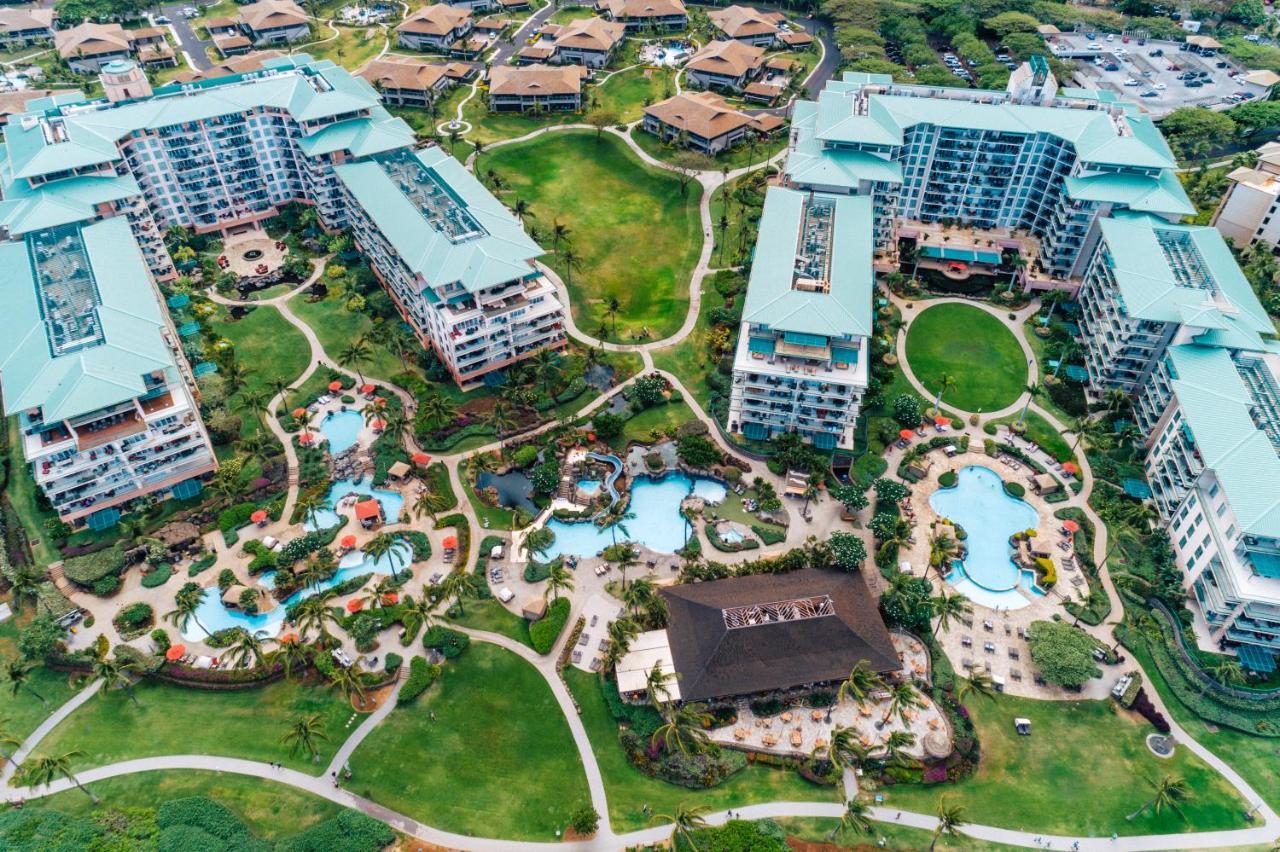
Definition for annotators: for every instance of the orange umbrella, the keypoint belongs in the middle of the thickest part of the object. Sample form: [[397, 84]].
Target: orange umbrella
[[1070, 467], [288, 639], [175, 653], [942, 421], [1070, 526], [420, 458], [299, 412], [367, 388], [591, 436], [348, 541], [259, 516], [450, 542], [379, 425], [334, 387], [306, 438], [390, 598], [906, 434], [354, 605]]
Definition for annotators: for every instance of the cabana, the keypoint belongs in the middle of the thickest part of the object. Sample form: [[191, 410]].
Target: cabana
[[369, 513], [399, 470], [1045, 484]]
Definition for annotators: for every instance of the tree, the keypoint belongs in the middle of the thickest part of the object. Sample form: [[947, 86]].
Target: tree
[[903, 697], [292, 655], [860, 683], [895, 748], [848, 550], [684, 820], [856, 819], [429, 501], [571, 261], [1193, 132], [846, 750], [890, 491], [356, 354], [1032, 391], [305, 733], [547, 365], [853, 498], [946, 607], [584, 821], [186, 602], [945, 383], [950, 820], [539, 540], [435, 411], [906, 410], [684, 728], [458, 585], [247, 648], [501, 419], [41, 637], [906, 602], [942, 549], [601, 119], [1063, 653], [116, 673], [558, 580], [1227, 672], [42, 771], [17, 673], [607, 425], [349, 681], [388, 547], [687, 164], [25, 585], [698, 451], [1169, 792], [546, 476], [978, 683], [657, 686]]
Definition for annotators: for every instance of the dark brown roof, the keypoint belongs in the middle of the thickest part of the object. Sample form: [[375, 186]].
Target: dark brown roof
[[714, 660]]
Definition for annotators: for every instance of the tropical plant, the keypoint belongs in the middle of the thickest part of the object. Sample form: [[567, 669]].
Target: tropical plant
[[356, 354], [305, 733], [42, 771], [458, 585], [387, 546], [684, 821], [1169, 792], [856, 819], [116, 673], [947, 607], [17, 673], [978, 683], [950, 820], [186, 602], [558, 580], [247, 648], [860, 683]]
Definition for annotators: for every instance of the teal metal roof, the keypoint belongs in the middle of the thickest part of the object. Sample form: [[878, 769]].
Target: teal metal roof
[[126, 315], [1184, 274], [812, 165], [844, 311], [1216, 406], [1146, 194], [477, 242], [59, 202], [363, 137]]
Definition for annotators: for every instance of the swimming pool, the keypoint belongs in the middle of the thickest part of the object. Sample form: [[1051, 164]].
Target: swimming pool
[[213, 616], [732, 535], [978, 502], [657, 523], [590, 487], [341, 429], [392, 503]]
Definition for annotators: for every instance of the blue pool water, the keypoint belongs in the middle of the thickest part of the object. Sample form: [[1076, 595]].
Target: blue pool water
[[657, 523], [392, 503], [732, 535], [589, 486], [978, 503], [340, 430], [213, 616]]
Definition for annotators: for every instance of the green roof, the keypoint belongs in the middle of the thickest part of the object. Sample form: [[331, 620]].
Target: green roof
[[70, 381], [59, 202], [1146, 194], [443, 223], [772, 301], [1217, 406]]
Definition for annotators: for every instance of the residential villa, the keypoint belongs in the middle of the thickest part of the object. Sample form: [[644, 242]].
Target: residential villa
[[437, 28], [86, 48], [646, 14], [404, 81], [726, 65], [801, 365], [242, 64], [748, 25], [457, 263], [549, 88], [1247, 212], [474, 5], [25, 27], [590, 42], [270, 22], [704, 122]]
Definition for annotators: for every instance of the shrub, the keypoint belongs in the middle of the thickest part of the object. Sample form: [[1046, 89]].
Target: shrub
[[236, 516], [158, 577], [349, 831], [160, 637], [948, 479], [544, 632], [201, 564], [1015, 489], [546, 477], [1142, 704], [88, 569], [585, 821], [182, 822], [769, 535], [421, 675], [106, 586], [524, 456], [451, 643], [393, 662], [698, 451], [420, 543], [134, 616], [765, 707]]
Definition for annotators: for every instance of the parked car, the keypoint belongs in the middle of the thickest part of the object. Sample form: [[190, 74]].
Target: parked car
[[1156, 52], [1132, 82], [1193, 84], [161, 19], [1095, 46], [1160, 87], [1111, 66], [1150, 95]]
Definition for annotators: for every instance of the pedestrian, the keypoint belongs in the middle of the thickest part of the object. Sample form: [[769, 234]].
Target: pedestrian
[[899, 816]]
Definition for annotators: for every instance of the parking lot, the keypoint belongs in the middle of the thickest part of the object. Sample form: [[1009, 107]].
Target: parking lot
[[1155, 81]]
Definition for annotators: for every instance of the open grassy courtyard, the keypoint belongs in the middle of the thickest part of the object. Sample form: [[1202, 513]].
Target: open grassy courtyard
[[497, 760], [972, 346], [1082, 770], [632, 234], [168, 719], [23, 712]]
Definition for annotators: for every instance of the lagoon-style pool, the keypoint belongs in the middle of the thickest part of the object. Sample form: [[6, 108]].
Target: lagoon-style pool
[[392, 503], [979, 504], [657, 523], [341, 429]]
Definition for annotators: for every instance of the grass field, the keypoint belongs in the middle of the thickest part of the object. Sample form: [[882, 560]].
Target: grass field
[[975, 348], [635, 236], [1040, 431], [688, 360], [628, 92], [336, 327], [497, 761], [630, 791], [489, 614], [174, 720], [743, 155], [271, 811], [1082, 770], [639, 428], [24, 712], [269, 346]]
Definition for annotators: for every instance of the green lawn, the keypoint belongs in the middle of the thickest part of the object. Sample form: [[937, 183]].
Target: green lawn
[[635, 236], [353, 47], [336, 327], [21, 491], [1041, 431], [272, 811], [739, 236], [244, 723], [24, 712], [639, 428], [490, 615], [498, 761], [975, 348], [630, 790], [268, 345], [688, 360], [571, 13], [1080, 772], [899, 838], [488, 127], [628, 92]]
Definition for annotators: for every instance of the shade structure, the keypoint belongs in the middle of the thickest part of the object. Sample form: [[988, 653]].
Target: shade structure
[[1070, 526], [306, 438], [367, 388], [906, 434], [334, 387], [379, 424], [187, 488], [103, 519], [390, 599], [354, 605], [299, 412], [175, 652], [259, 516], [420, 458], [1070, 467], [348, 542], [367, 510], [942, 421], [288, 638], [449, 542]]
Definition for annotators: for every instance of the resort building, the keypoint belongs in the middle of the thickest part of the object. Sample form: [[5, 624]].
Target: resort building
[[744, 636], [1247, 212], [705, 122], [88, 47], [244, 64], [727, 65], [590, 42], [548, 88], [404, 81], [747, 25], [801, 362], [92, 368], [457, 263], [439, 28], [474, 5], [646, 14], [270, 22], [25, 27]]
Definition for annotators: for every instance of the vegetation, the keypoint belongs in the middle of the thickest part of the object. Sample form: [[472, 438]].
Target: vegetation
[[544, 632], [975, 348]]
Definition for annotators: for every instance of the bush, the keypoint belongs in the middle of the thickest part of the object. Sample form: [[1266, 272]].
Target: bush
[[160, 637], [201, 564], [544, 632], [236, 517], [158, 577], [393, 662], [420, 543], [421, 675], [1142, 704], [585, 821], [765, 707], [107, 586], [1015, 489], [768, 535], [451, 643], [196, 822], [88, 569], [948, 479], [524, 456], [349, 831]]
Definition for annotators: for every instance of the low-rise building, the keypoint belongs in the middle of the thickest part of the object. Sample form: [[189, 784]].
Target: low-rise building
[[591, 42], [404, 81], [801, 365], [1247, 212], [86, 48], [232, 45], [704, 121], [438, 28], [546, 88], [747, 24], [646, 14], [274, 22], [25, 27], [458, 264], [727, 65]]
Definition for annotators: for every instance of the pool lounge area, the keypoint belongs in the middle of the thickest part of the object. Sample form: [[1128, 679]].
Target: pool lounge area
[[392, 503]]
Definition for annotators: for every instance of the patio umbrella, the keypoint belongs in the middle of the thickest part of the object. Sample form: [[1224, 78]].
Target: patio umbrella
[[906, 434], [390, 599], [348, 542], [288, 638], [449, 542], [1071, 468], [366, 388], [175, 652], [941, 421], [420, 458], [354, 605], [306, 438], [1070, 526], [379, 425], [334, 387], [299, 412]]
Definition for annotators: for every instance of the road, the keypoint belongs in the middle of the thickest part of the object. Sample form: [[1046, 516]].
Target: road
[[195, 48], [508, 47]]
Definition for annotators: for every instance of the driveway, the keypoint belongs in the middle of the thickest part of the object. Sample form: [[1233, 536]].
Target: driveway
[[185, 34], [507, 48]]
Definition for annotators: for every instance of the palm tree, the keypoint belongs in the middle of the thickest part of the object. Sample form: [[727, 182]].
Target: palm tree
[[348, 680], [860, 683], [42, 771], [116, 673], [253, 400], [945, 383], [950, 820], [234, 375], [315, 614], [457, 585], [247, 647], [429, 502], [24, 585], [1087, 427], [615, 518], [258, 446], [1116, 400], [437, 409], [546, 365], [945, 607], [656, 686], [1168, 792], [846, 750], [17, 673], [309, 505], [856, 819], [942, 549], [1226, 672], [559, 233], [356, 353], [902, 697], [304, 734], [522, 210], [558, 580], [500, 419], [386, 546], [8, 742], [374, 411], [570, 259], [683, 728], [685, 821], [620, 632], [978, 683], [291, 655], [1019, 263], [638, 594], [895, 746], [612, 306], [421, 612], [186, 603], [1032, 390]]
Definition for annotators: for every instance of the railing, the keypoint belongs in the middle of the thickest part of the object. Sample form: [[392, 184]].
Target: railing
[[1194, 665]]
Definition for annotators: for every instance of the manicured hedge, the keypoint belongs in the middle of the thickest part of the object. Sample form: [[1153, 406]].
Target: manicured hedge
[[948, 479], [420, 543], [769, 535], [1015, 489], [158, 577], [451, 643], [544, 632], [92, 567], [196, 822], [421, 675]]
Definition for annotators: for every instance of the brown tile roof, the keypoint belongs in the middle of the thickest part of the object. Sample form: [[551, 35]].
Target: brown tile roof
[[536, 52], [19, 20], [146, 34], [269, 14], [222, 24], [588, 34], [763, 90], [231, 42], [491, 23], [796, 39], [536, 79], [779, 63], [15, 103], [731, 58], [513, 4], [642, 8], [236, 65], [703, 114], [744, 21], [460, 70], [404, 73], [437, 20], [767, 123], [90, 39], [720, 647]]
